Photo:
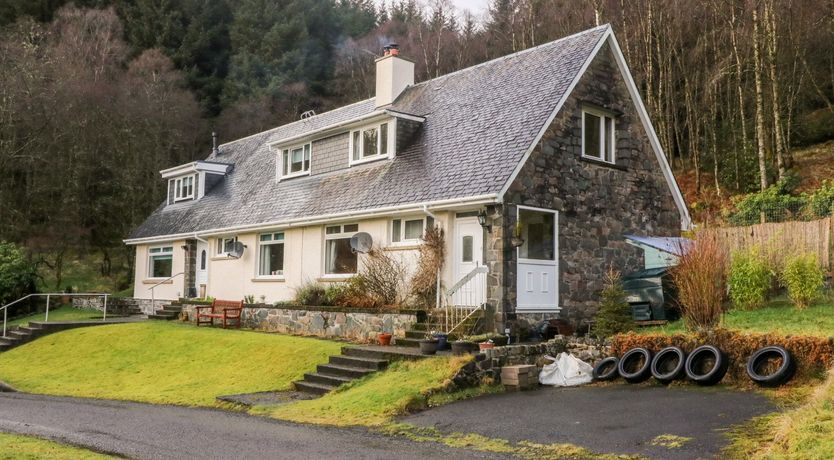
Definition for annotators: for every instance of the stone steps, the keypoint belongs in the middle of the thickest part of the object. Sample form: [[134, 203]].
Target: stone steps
[[167, 313]]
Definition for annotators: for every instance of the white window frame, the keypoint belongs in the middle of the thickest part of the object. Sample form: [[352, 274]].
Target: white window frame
[[220, 246], [603, 117], [337, 236], [282, 159], [159, 251], [403, 241], [389, 144], [178, 196], [273, 241]]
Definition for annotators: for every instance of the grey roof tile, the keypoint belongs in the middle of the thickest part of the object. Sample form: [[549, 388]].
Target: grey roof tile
[[479, 123]]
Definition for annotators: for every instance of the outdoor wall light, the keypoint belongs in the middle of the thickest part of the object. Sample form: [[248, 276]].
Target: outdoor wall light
[[482, 219]]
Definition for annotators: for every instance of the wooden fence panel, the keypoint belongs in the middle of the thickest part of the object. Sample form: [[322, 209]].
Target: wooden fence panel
[[779, 240]]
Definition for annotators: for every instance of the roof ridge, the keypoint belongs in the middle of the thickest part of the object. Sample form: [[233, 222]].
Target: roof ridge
[[516, 54]]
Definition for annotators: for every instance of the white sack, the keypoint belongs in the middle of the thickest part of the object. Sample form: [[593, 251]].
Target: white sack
[[566, 371]]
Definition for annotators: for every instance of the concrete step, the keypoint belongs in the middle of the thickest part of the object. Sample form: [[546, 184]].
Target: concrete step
[[314, 388], [162, 317], [407, 342], [425, 327], [361, 363], [343, 371], [5, 347], [21, 335], [171, 309], [9, 340], [411, 334], [326, 379]]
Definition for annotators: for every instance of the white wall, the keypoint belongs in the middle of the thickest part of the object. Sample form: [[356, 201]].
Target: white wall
[[172, 289]]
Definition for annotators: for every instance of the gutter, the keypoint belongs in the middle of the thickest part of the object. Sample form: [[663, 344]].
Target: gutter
[[323, 219]]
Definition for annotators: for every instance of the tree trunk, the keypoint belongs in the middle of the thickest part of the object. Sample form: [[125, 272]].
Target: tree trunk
[[782, 161], [760, 123]]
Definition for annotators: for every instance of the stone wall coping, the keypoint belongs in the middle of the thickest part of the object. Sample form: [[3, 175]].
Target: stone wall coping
[[266, 306]]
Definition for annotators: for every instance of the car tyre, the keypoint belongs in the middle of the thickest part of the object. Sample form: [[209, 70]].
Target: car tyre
[[779, 376], [607, 369], [635, 365], [707, 365], [668, 365]]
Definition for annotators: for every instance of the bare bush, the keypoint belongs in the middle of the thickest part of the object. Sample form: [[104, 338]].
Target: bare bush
[[432, 255], [701, 280], [383, 278]]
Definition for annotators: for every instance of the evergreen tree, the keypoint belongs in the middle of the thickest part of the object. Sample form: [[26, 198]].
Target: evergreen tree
[[614, 314]]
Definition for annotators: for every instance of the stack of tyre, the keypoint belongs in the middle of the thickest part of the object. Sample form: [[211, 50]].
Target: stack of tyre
[[705, 365]]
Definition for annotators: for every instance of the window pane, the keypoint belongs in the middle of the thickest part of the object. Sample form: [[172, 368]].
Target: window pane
[[228, 245], [609, 139], [414, 229], [467, 251], [396, 231], [278, 236], [592, 135], [429, 222], [349, 228], [203, 260], [340, 259], [537, 230], [297, 161], [307, 157], [383, 139], [267, 237], [333, 230], [356, 145], [271, 260], [285, 163], [369, 142], [161, 266]]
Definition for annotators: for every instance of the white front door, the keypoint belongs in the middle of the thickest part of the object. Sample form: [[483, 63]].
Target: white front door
[[538, 260], [201, 278], [468, 253]]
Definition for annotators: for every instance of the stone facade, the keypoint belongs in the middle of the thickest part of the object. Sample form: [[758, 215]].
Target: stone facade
[[597, 202], [190, 274], [353, 325], [487, 364], [119, 305]]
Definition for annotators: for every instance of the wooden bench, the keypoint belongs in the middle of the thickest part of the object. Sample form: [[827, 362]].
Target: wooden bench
[[229, 311]]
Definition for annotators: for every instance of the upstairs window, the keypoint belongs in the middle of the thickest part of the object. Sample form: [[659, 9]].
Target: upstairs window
[[295, 161], [184, 188], [271, 255], [339, 257], [160, 262], [409, 231], [598, 135], [369, 144]]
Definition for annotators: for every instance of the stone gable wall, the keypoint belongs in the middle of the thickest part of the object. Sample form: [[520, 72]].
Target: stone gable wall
[[597, 203]]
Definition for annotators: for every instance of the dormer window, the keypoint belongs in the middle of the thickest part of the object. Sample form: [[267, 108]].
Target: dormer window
[[184, 188], [369, 144], [295, 161]]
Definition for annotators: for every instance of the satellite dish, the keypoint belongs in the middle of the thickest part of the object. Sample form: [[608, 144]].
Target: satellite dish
[[237, 250], [361, 242]]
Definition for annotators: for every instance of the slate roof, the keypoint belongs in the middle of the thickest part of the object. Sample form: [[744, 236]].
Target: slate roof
[[480, 122]]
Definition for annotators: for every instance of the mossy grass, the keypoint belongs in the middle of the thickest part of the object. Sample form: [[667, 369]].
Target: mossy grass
[[61, 313], [19, 447]]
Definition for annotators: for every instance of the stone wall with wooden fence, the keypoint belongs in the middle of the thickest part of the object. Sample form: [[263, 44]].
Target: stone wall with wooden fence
[[779, 240]]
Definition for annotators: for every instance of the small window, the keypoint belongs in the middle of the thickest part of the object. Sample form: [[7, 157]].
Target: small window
[[184, 188], [203, 260], [271, 255], [409, 230], [339, 257], [160, 262], [295, 161], [369, 144], [225, 246], [598, 136]]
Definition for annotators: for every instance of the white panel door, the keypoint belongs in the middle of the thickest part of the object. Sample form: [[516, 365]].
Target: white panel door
[[469, 249], [201, 278], [537, 287]]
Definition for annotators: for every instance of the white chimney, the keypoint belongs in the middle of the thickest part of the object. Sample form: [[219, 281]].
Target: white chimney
[[393, 75]]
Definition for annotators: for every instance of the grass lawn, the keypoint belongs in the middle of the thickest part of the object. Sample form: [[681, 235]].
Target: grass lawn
[[15, 447], [778, 316], [65, 313], [377, 398], [164, 363]]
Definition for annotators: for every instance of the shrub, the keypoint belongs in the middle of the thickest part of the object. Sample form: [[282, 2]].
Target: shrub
[[432, 254], [17, 274], [803, 278], [813, 354], [614, 315], [311, 294], [820, 203], [383, 277], [774, 202], [750, 279], [700, 278]]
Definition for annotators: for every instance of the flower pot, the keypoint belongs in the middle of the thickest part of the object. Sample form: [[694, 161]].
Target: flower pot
[[384, 338], [486, 345], [428, 346], [442, 341], [462, 347]]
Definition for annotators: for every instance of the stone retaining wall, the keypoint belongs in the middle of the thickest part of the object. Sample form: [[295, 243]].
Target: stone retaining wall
[[118, 305], [359, 326], [487, 364]]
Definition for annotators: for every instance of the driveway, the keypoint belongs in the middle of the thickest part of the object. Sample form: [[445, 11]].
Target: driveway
[[146, 431], [606, 419]]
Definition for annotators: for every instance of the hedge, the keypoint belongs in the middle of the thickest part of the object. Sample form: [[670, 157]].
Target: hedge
[[813, 355]]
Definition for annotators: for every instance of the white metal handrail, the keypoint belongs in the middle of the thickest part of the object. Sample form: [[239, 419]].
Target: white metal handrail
[[153, 296], [48, 296], [470, 290]]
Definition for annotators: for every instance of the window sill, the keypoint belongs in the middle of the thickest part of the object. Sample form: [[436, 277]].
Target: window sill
[[369, 160], [217, 258], [599, 162], [269, 279], [157, 281], [335, 278], [402, 246]]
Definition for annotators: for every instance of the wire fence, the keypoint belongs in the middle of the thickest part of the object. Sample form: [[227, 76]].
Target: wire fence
[[789, 210]]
